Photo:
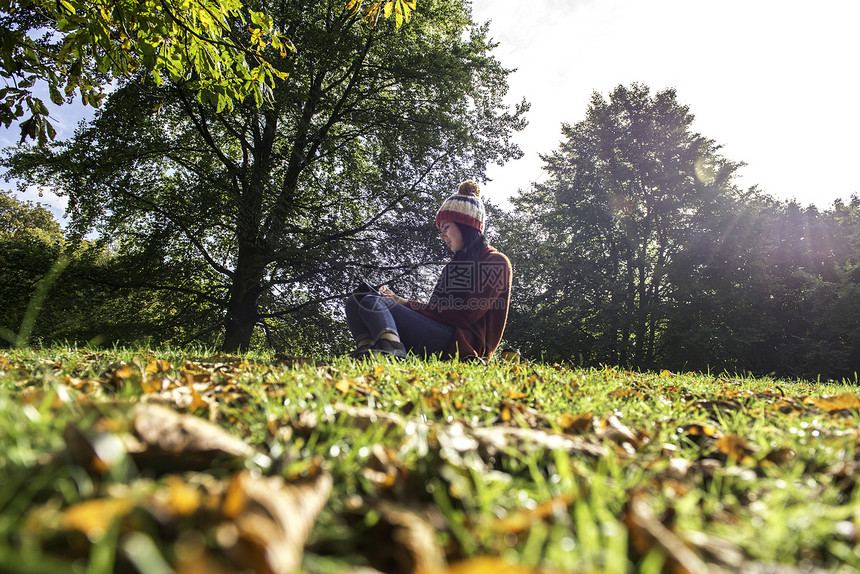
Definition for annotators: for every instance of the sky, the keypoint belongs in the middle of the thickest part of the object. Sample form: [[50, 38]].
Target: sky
[[775, 82]]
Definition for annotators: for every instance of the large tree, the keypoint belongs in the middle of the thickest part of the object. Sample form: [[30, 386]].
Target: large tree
[[627, 191], [259, 211]]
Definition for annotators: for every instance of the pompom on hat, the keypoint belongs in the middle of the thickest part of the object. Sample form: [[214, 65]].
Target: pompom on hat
[[464, 207]]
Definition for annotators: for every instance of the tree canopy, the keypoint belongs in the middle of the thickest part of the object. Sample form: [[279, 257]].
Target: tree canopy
[[624, 193], [222, 50]]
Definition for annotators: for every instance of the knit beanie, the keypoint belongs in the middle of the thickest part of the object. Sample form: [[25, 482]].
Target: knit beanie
[[464, 207]]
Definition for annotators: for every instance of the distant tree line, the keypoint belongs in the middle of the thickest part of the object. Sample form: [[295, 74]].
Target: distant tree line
[[246, 227], [639, 250]]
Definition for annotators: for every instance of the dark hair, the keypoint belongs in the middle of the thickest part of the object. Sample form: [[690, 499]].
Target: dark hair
[[473, 241]]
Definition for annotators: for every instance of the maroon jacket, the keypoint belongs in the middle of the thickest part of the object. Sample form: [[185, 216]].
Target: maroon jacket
[[474, 299]]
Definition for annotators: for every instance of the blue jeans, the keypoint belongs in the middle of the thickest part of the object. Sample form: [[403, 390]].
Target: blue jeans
[[371, 316]]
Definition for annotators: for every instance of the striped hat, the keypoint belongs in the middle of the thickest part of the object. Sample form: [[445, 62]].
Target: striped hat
[[464, 207]]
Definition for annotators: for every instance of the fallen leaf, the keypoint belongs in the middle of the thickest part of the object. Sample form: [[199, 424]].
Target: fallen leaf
[[515, 395], [736, 447], [411, 540], [843, 402], [357, 385], [120, 373], [95, 517], [292, 361], [626, 393], [789, 405], [384, 468], [495, 440], [717, 406], [170, 440], [699, 429], [269, 532], [647, 533], [780, 456], [611, 428], [158, 366], [97, 449], [486, 565], [576, 424], [518, 414], [182, 499]]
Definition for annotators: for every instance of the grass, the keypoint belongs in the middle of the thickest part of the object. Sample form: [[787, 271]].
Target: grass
[[418, 466]]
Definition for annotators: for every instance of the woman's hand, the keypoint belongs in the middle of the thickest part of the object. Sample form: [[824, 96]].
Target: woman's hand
[[389, 294]]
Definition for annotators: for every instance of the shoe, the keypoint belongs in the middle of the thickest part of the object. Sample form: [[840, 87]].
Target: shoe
[[390, 348], [361, 352]]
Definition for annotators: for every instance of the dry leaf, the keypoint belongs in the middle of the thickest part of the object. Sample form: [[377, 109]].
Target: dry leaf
[[716, 406], [495, 440], [736, 447], [780, 456], [384, 468], [576, 424], [273, 522], [95, 517], [158, 366], [611, 428], [648, 533], [485, 565], [97, 449], [843, 402], [357, 385], [410, 540], [170, 440], [119, 373], [520, 415]]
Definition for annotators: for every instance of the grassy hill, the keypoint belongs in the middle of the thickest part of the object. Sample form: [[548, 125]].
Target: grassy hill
[[158, 461]]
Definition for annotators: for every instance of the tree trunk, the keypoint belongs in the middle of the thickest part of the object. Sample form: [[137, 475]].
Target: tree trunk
[[241, 319], [242, 312]]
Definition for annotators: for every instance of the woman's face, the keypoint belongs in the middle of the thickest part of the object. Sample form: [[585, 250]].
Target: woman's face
[[451, 235]]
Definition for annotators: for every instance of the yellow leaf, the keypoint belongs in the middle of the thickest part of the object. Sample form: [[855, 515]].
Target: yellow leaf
[[94, 517], [235, 498], [484, 565], [576, 424], [182, 499], [845, 401], [343, 386], [197, 401], [697, 429], [158, 366], [735, 447], [120, 373]]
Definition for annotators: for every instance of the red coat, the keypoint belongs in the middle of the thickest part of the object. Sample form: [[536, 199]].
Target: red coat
[[474, 299]]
